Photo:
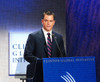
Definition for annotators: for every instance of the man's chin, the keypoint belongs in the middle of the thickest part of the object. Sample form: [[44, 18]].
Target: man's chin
[[48, 30]]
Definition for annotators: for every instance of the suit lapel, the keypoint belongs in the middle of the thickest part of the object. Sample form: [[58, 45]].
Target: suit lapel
[[53, 45], [42, 39]]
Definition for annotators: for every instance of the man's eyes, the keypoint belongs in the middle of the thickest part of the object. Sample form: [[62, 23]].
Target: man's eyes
[[48, 20], [45, 20]]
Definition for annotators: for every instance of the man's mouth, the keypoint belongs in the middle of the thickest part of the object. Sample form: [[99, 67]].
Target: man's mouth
[[48, 25]]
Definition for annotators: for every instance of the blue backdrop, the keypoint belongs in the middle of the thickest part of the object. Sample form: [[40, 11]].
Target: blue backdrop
[[83, 29]]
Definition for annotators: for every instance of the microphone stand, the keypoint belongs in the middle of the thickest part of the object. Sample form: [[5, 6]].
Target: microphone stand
[[57, 45]]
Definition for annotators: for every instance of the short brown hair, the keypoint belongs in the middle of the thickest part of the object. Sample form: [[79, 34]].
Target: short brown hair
[[48, 13]]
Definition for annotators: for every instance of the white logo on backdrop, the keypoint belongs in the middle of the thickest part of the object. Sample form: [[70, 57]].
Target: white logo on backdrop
[[68, 77]]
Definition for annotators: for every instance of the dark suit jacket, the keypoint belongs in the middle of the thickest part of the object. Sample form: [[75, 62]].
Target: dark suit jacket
[[36, 46]]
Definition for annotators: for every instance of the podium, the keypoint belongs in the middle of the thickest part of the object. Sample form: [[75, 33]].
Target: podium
[[67, 69]]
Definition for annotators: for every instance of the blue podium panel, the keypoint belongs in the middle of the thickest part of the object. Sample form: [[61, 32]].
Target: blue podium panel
[[69, 69]]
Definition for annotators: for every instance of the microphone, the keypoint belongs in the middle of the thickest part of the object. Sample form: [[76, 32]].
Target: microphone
[[57, 45]]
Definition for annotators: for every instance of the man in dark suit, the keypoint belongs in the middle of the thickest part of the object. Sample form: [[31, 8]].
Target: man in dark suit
[[38, 45]]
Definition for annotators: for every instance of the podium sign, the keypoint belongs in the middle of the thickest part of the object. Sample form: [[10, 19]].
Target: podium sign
[[69, 69]]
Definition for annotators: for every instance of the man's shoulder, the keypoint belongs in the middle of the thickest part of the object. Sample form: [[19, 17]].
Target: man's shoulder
[[36, 33], [57, 34]]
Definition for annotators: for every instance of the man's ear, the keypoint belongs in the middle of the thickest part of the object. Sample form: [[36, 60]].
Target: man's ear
[[54, 22], [42, 21]]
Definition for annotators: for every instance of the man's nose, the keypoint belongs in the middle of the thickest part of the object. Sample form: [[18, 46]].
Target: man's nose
[[48, 22]]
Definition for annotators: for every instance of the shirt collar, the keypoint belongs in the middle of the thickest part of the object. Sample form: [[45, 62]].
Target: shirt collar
[[45, 32]]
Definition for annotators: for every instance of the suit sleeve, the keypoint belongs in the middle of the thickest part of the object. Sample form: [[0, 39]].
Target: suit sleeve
[[30, 49]]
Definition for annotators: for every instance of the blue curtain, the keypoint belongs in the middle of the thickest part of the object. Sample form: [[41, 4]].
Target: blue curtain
[[83, 29]]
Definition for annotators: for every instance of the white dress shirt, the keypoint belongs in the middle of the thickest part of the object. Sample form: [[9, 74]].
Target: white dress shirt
[[45, 34]]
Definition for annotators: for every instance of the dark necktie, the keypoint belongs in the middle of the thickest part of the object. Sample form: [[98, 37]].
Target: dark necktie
[[49, 45]]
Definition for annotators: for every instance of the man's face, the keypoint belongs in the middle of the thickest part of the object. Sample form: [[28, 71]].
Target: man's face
[[48, 22]]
